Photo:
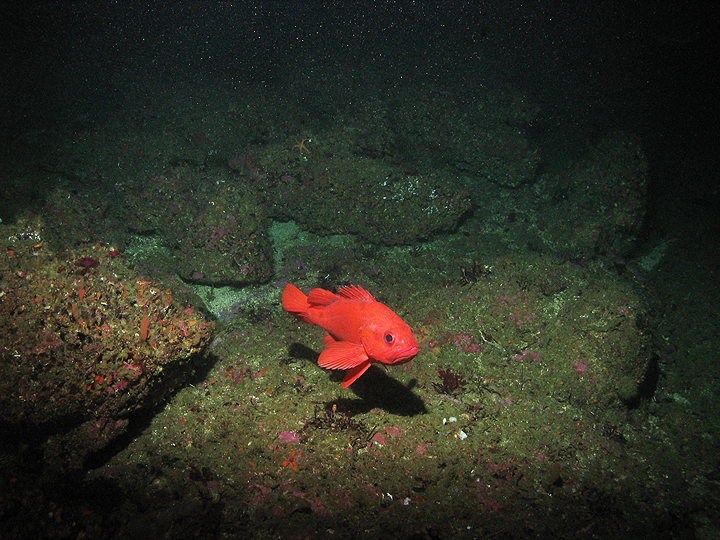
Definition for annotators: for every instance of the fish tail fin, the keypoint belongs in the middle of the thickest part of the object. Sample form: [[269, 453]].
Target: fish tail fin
[[295, 302]]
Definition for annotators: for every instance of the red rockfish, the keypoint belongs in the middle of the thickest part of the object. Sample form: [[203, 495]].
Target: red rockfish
[[360, 329]]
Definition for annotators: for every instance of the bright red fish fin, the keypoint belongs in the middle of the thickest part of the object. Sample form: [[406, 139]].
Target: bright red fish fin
[[295, 302], [321, 297], [352, 375], [341, 354], [355, 292]]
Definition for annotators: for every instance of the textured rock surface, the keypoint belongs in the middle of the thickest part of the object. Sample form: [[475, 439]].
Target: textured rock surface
[[598, 207], [85, 342], [212, 227], [332, 190]]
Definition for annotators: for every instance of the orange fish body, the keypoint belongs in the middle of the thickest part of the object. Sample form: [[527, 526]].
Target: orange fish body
[[360, 329]]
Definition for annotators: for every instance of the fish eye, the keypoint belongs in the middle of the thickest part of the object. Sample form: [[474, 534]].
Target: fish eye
[[389, 338]]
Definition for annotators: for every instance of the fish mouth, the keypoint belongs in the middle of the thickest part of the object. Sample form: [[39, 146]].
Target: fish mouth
[[406, 355]]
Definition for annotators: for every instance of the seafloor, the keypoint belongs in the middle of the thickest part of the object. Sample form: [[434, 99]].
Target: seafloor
[[564, 298]]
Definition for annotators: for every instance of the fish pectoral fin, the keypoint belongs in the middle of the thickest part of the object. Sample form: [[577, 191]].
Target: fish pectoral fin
[[342, 355], [352, 375]]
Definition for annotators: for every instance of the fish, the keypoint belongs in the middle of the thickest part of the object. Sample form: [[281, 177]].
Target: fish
[[360, 330]]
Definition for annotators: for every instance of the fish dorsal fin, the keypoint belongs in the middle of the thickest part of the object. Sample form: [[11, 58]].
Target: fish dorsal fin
[[321, 297], [355, 292]]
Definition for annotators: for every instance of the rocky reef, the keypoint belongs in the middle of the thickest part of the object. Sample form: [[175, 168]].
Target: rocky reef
[[86, 343]]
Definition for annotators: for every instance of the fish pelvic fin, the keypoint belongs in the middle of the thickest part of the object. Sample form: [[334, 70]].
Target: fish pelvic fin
[[352, 375]]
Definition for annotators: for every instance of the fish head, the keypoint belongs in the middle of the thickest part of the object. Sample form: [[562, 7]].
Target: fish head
[[389, 340]]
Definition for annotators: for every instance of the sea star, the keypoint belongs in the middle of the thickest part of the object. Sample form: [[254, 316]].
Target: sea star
[[301, 146]]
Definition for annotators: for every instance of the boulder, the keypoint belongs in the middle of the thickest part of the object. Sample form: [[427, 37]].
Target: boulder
[[85, 344]]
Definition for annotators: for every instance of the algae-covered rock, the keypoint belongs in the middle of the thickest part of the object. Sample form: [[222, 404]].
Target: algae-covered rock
[[329, 189], [600, 204], [480, 132], [85, 342], [537, 328], [211, 225]]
